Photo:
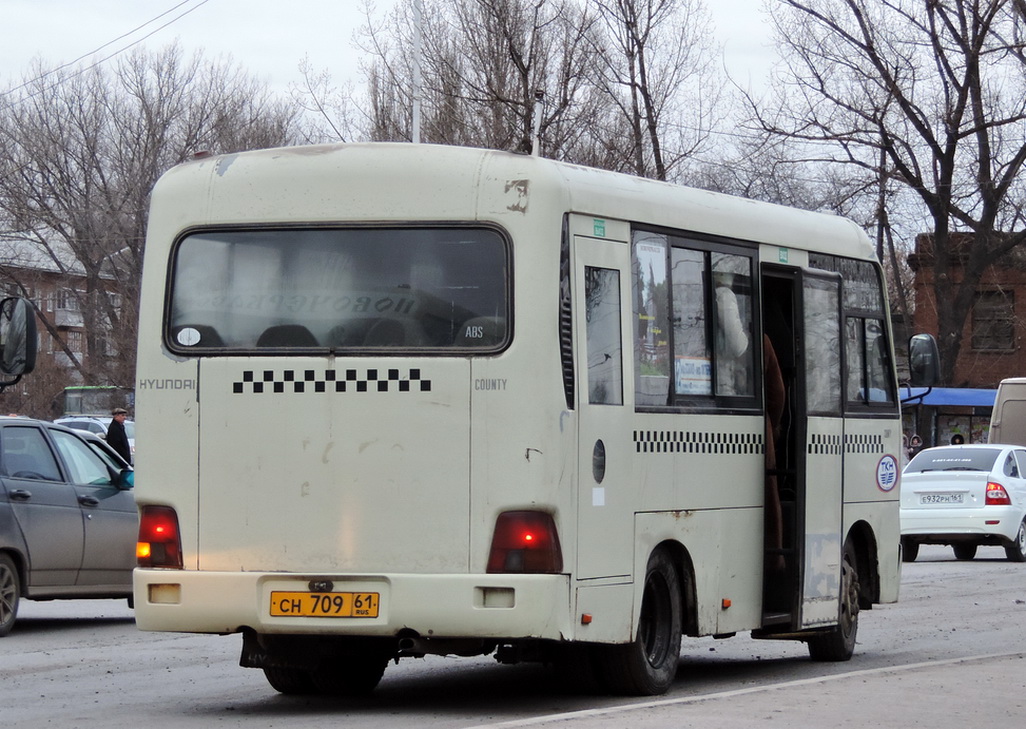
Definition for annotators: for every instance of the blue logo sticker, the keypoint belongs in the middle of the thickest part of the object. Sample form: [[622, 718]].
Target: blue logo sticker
[[887, 473]]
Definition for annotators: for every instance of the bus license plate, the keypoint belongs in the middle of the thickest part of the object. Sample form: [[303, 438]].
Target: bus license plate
[[325, 604], [940, 499]]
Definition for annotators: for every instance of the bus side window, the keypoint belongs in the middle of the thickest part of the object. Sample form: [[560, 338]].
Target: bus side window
[[605, 354], [733, 352]]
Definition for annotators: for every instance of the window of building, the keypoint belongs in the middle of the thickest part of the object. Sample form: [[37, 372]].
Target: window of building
[[993, 320]]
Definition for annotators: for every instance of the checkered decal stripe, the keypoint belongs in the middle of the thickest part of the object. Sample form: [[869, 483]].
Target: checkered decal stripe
[[678, 441], [825, 445], [863, 444], [295, 381]]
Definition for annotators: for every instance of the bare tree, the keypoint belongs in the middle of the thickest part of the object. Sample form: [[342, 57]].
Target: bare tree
[[657, 65], [926, 95], [484, 64], [80, 150]]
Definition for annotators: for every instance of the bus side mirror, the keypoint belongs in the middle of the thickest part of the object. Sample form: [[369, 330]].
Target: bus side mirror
[[17, 338], [923, 361]]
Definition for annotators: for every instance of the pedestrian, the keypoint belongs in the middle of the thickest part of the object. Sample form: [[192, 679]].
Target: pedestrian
[[915, 444], [957, 439], [116, 437]]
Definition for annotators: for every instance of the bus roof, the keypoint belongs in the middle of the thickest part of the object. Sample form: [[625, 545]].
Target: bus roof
[[435, 182]]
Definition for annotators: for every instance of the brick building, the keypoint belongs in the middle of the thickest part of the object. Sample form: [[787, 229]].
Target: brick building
[[992, 341], [995, 330], [56, 286]]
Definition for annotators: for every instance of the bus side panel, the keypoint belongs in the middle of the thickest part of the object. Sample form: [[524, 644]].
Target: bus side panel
[[703, 475], [886, 523], [167, 465], [872, 449], [523, 447], [727, 579], [871, 489], [689, 462]]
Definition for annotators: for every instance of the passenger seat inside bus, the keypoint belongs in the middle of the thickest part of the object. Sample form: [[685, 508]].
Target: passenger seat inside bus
[[395, 333], [287, 335]]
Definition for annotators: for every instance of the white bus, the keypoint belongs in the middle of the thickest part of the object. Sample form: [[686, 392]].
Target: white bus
[[432, 400]]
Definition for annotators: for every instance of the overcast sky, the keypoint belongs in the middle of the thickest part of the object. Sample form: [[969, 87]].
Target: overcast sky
[[268, 38]]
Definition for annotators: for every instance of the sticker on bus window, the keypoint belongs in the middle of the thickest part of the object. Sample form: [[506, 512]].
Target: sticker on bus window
[[693, 376]]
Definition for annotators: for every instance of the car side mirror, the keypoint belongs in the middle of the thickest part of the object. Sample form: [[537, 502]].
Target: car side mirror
[[923, 361], [126, 481]]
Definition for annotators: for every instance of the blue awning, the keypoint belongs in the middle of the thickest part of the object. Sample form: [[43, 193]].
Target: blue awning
[[952, 396]]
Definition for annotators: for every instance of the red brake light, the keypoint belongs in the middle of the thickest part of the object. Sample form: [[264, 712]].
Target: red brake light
[[160, 543], [526, 542], [996, 495]]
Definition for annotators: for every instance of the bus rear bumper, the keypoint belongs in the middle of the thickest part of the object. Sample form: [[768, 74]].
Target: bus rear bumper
[[479, 606]]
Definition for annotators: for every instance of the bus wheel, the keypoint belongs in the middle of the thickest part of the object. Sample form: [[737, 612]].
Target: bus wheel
[[838, 644], [290, 681], [355, 674], [10, 593], [964, 551], [909, 550], [1016, 551], [648, 665]]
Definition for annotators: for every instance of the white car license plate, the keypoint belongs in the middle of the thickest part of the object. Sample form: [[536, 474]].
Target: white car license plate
[[941, 498]]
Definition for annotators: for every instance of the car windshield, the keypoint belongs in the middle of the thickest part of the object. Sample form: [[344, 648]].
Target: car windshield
[[954, 459]]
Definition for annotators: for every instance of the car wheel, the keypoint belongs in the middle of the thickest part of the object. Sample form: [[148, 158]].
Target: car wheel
[[647, 665], [838, 644], [1016, 551], [964, 551], [10, 594], [909, 550]]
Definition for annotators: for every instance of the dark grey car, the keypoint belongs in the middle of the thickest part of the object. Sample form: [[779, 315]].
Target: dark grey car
[[68, 521]]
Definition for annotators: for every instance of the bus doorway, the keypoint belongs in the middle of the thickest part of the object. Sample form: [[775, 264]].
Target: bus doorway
[[784, 472], [804, 437]]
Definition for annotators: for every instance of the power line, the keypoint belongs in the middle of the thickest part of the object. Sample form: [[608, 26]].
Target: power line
[[82, 70]]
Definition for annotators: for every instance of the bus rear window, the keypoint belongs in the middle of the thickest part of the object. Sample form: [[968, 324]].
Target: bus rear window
[[285, 289]]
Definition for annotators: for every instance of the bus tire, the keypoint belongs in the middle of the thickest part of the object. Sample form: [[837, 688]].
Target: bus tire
[[838, 644], [909, 550], [647, 665], [290, 681], [1016, 551], [10, 594], [356, 674]]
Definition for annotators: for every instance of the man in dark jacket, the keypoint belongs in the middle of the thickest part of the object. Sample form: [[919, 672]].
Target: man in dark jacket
[[116, 437]]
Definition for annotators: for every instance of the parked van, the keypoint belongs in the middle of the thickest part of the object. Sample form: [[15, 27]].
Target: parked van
[[1008, 420]]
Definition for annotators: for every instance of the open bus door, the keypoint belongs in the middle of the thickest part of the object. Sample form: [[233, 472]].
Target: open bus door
[[804, 477]]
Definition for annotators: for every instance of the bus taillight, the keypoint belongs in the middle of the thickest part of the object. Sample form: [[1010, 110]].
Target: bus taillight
[[160, 542], [525, 541]]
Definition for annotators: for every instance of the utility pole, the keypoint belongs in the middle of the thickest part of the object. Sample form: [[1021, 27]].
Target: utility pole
[[418, 15]]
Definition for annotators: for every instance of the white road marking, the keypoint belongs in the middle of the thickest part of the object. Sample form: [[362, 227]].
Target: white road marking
[[624, 708]]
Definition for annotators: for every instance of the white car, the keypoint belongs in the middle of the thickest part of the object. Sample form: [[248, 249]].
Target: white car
[[965, 496], [97, 424]]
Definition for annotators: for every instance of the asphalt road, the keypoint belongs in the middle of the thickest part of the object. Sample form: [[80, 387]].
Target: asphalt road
[[951, 654]]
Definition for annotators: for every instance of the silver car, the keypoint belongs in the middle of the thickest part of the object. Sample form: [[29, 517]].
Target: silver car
[[97, 425], [68, 520], [965, 496]]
